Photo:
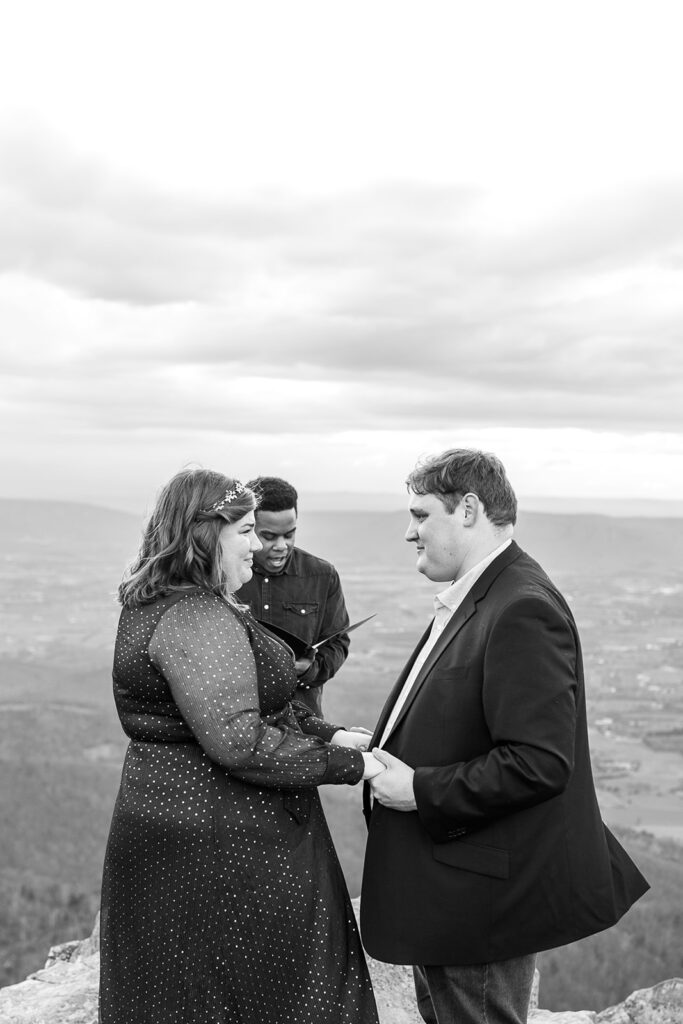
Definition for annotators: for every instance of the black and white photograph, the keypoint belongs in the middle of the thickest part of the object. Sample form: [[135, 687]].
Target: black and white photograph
[[341, 512]]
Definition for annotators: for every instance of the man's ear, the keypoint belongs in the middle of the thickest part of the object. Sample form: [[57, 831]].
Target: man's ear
[[471, 507]]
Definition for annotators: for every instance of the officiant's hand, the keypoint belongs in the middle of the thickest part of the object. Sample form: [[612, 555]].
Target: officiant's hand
[[394, 787]]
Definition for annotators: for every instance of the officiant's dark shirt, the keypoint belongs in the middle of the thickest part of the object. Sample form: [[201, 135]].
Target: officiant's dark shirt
[[306, 599]]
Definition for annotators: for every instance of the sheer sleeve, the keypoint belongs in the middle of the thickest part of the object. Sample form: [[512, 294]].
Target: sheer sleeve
[[203, 652], [311, 724]]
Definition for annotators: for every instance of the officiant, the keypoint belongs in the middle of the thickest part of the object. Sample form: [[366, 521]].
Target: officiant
[[294, 593]]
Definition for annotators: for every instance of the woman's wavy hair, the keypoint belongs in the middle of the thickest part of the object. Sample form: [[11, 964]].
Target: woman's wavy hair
[[181, 542]]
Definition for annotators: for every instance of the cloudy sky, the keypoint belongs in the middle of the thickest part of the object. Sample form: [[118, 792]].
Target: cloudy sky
[[320, 239]]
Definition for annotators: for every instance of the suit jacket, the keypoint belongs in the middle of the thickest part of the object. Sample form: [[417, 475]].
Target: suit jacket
[[506, 854]]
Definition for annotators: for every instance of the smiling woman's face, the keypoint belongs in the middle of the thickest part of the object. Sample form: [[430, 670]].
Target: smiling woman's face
[[238, 544]]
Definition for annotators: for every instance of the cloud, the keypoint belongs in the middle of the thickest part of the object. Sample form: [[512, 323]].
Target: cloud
[[389, 305]]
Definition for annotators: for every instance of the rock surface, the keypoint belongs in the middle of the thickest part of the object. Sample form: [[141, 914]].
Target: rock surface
[[65, 992]]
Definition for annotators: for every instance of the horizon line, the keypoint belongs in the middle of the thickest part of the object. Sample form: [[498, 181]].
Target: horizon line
[[378, 501]]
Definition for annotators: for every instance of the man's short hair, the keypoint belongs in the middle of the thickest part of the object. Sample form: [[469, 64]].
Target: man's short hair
[[461, 471], [273, 494]]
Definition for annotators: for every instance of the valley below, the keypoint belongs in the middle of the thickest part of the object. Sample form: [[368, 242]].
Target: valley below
[[61, 746]]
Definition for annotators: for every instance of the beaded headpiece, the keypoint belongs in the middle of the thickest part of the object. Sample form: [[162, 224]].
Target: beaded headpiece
[[230, 494]]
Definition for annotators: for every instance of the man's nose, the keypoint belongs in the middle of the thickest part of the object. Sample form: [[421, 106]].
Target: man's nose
[[279, 544], [411, 533]]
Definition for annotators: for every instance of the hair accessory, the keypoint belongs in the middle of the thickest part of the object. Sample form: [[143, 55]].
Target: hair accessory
[[232, 492]]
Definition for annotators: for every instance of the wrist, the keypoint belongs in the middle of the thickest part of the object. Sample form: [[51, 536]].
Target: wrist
[[344, 765], [308, 677]]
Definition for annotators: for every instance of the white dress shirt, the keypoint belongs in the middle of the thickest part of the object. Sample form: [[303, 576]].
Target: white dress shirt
[[445, 605]]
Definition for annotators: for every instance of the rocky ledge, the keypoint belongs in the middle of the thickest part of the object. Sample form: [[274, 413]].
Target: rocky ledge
[[65, 992]]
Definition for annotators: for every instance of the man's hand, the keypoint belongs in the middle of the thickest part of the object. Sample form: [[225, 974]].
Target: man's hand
[[302, 665], [394, 787]]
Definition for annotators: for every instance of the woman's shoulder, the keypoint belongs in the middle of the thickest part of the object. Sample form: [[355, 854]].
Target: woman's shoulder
[[202, 606], [198, 620]]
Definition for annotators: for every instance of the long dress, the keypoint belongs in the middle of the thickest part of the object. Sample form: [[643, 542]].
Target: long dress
[[223, 901]]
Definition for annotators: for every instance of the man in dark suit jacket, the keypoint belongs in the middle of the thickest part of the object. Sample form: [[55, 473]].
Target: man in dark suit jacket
[[485, 839]]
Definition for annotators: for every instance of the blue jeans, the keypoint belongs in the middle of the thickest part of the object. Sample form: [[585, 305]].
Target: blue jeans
[[496, 993]]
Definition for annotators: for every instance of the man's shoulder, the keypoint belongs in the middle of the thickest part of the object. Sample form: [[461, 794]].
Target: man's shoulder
[[527, 569], [513, 570], [523, 578], [304, 563]]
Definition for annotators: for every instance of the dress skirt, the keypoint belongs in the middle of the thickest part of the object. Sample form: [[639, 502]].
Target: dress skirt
[[224, 902]]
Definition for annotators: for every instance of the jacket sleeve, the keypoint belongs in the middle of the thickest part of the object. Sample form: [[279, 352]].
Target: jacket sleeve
[[331, 656], [529, 698], [203, 652]]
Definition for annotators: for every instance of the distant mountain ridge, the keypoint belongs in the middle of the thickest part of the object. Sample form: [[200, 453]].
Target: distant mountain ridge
[[48, 517], [598, 544], [356, 501]]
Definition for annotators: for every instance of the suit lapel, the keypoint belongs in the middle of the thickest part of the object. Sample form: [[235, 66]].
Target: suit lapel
[[451, 630], [461, 615], [398, 686]]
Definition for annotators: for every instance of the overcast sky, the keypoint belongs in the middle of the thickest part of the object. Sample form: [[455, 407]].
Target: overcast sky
[[322, 239]]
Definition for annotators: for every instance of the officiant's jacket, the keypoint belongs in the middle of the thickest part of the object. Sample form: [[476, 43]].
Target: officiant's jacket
[[506, 854]]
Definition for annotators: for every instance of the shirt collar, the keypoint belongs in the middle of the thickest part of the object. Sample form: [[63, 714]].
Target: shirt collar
[[454, 594]]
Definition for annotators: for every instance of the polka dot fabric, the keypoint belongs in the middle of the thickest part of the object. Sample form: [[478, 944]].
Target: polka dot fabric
[[223, 900]]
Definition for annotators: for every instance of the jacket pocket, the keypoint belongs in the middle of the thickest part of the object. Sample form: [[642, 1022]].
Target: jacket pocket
[[483, 860]]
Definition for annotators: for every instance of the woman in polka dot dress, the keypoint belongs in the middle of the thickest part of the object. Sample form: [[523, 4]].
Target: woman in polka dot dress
[[222, 898]]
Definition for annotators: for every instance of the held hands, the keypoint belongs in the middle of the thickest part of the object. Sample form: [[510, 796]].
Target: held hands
[[392, 779], [355, 737], [393, 786], [373, 767], [358, 737]]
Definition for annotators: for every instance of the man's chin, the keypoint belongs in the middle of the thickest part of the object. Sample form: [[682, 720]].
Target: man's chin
[[432, 574]]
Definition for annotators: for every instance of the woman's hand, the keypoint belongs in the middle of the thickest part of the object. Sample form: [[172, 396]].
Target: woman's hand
[[373, 767], [357, 737]]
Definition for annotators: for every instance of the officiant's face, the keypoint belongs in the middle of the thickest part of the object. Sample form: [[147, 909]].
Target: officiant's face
[[277, 533], [439, 536]]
